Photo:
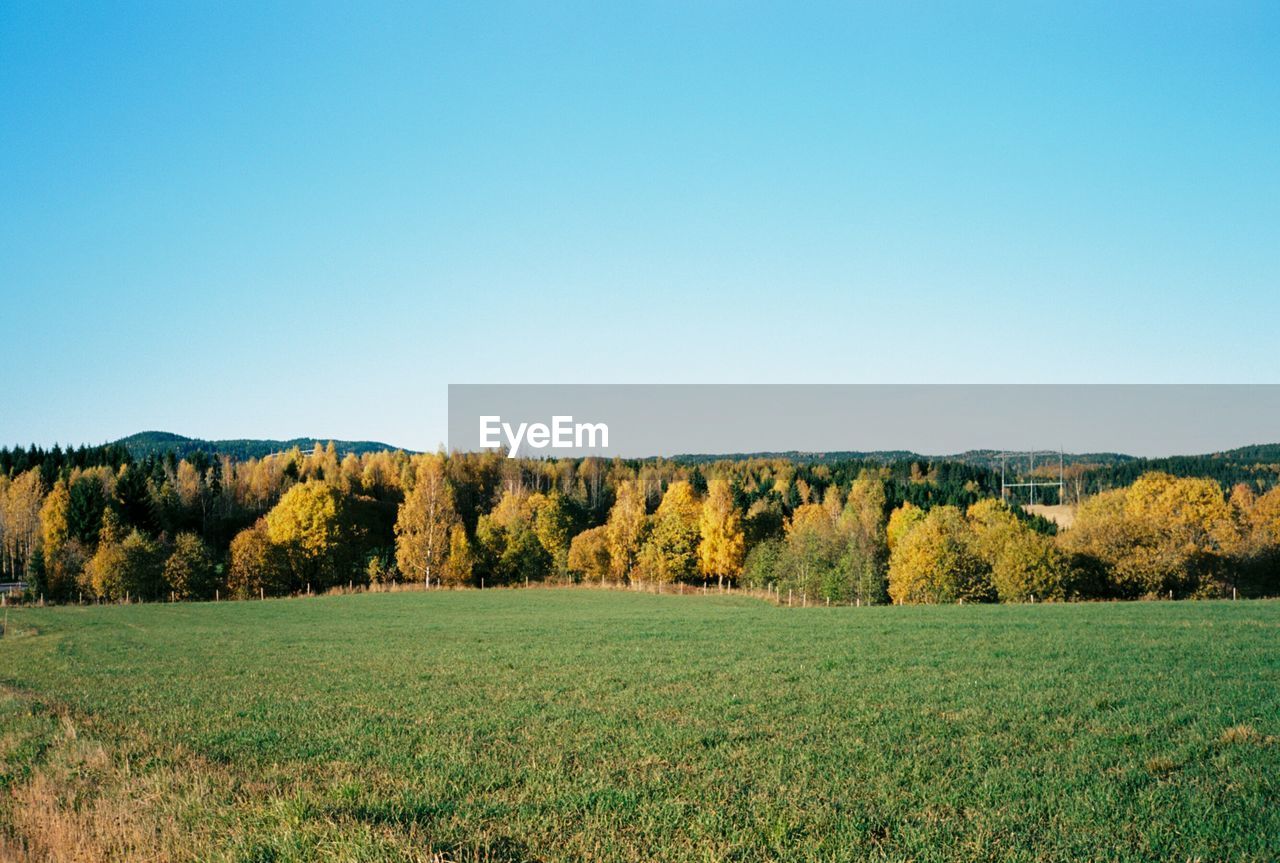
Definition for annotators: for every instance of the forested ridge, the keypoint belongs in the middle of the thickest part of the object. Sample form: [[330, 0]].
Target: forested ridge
[[102, 523], [159, 443]]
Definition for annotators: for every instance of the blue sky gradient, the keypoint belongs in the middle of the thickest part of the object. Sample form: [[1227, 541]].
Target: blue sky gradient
[[227, 220]]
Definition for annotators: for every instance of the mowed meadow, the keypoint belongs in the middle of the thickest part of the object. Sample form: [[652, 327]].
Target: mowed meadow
[[580, 724]]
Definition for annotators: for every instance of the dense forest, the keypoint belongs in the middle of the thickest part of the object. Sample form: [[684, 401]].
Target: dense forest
[[107, 523], [159, 443]]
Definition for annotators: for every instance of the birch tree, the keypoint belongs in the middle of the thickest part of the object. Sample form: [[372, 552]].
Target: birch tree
[[425, 522]]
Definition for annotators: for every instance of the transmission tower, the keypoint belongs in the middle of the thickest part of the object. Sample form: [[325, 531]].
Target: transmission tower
[[1012, 477]]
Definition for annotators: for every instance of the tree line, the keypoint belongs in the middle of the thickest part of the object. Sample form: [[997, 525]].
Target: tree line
[[97, 524]]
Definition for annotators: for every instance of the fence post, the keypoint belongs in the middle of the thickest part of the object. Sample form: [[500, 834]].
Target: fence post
[[789, 597]]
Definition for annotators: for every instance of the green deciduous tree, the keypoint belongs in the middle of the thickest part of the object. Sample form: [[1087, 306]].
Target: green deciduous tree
[[670, 550], [131, 567], [553, 525], [190, 570], [509, 549], [863, 529]]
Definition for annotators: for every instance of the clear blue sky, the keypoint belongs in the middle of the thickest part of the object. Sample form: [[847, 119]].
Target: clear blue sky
[[230, 221]]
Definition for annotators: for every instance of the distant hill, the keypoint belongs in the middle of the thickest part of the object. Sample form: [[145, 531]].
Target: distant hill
[[1268, 452], [158, 443], [1257, 466], [981, 458]]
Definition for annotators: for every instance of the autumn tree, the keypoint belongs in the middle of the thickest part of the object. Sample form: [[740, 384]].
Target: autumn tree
[[257, 565], [509, 548], [129, 568], [1262, 519], [626, 529], [1258, 555], [64, 556], [309, 524], [589, 554], [1161, 534], [936, 561], [553, 525], [863, 530], [721, 539], [20, 502], [901, 521], [1024, 564], [425, 522], [670, 549], [460, 562], [1105, 538], [810, 563]]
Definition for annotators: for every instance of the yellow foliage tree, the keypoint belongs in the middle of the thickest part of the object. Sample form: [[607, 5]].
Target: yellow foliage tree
[[936, 562], [670, 551], [1024, 564], [589, 553], [722, 542], [425, 522], [258, 566], [1161, 534], [309, 524], [130, 568], [460, 562], [901, 521], [626, 528], [20, 526]]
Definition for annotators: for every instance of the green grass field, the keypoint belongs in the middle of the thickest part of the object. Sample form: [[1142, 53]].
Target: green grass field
[[556, 725]]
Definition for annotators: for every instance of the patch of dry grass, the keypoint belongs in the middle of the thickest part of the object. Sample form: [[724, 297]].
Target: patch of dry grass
[[81, 805]]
